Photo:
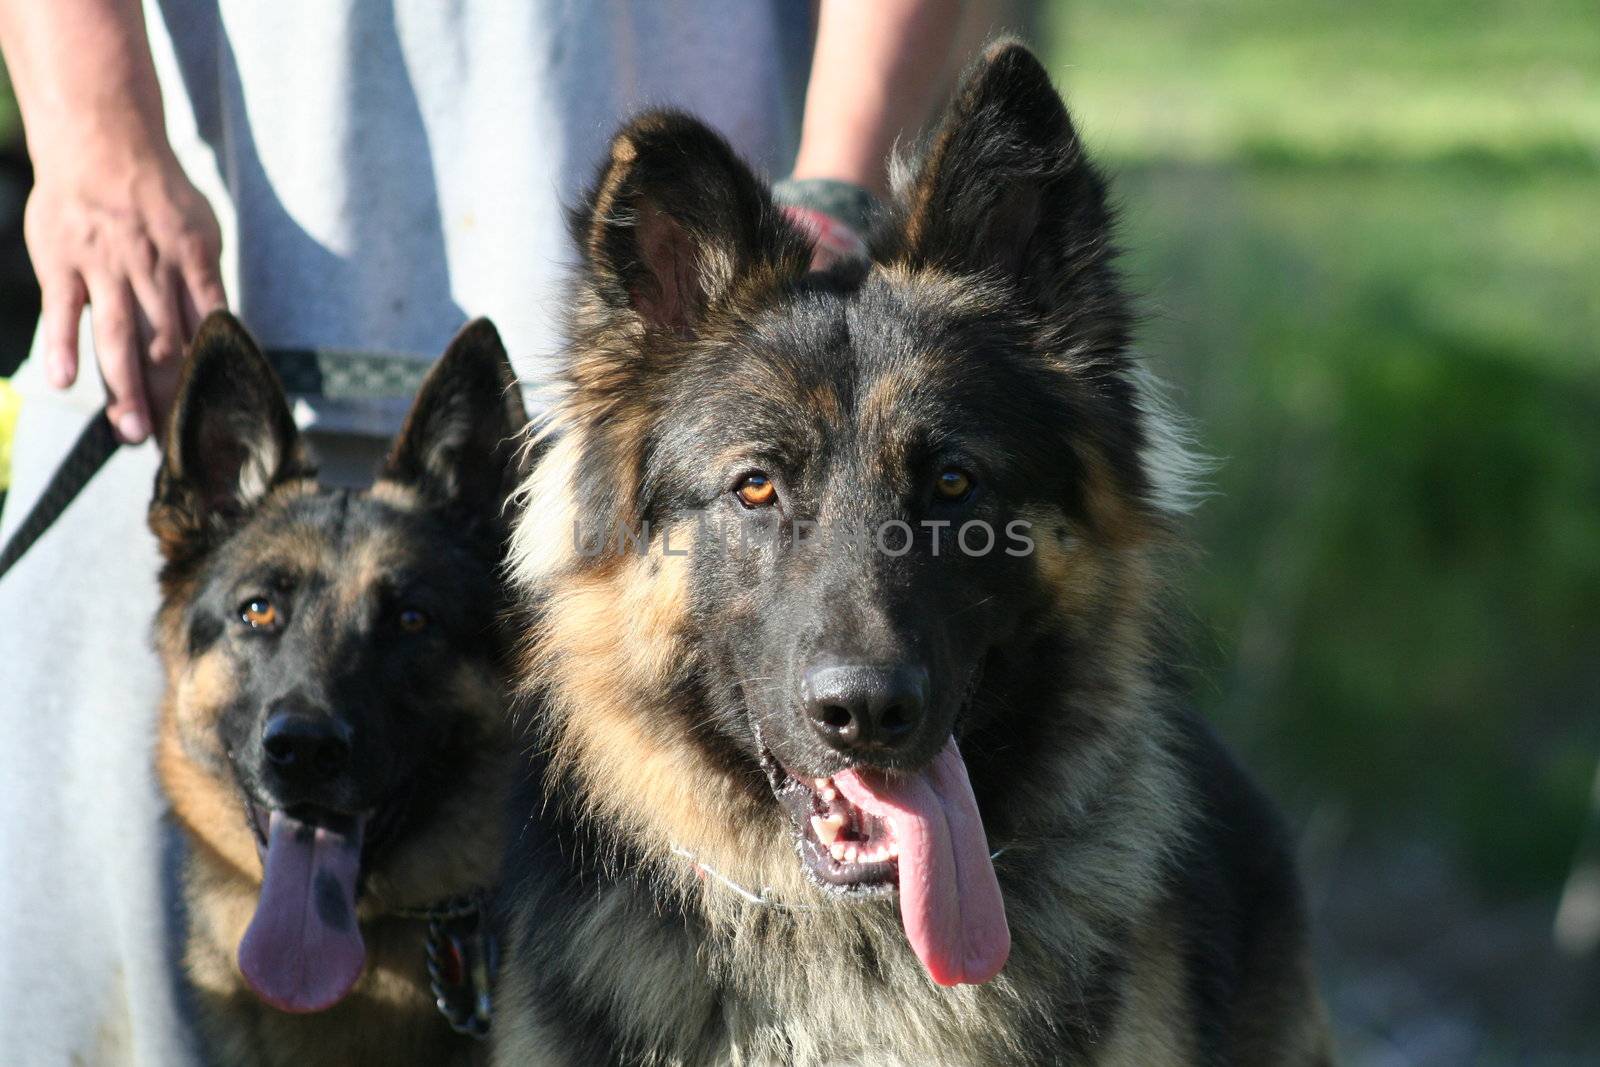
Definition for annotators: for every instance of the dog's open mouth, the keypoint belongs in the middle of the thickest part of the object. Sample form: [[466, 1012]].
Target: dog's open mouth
[[303, 950], [863, 832], [843, 847]]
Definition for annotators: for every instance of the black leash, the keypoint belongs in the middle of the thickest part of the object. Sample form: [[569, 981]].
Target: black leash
[[335, 374], [83, 461]]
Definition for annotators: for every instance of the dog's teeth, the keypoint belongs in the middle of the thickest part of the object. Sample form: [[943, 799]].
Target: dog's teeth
[[819, 784], [827, 829], [852, 853], [837, 851], [829, 794]]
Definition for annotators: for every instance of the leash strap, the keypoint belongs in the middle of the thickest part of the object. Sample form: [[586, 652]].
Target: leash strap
[[333, 374], [83, 460]]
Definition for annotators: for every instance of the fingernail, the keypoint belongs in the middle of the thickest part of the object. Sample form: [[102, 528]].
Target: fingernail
[[133, 428]]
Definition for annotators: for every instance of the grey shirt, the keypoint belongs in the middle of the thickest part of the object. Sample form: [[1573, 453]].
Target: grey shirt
[[393, 168]]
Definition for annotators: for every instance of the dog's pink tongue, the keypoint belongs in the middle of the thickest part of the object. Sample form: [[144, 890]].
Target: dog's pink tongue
[[949, 897], [303, 950]]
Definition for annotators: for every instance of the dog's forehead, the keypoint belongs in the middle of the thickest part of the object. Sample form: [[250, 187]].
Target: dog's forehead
[[346, 538], [901, 355]]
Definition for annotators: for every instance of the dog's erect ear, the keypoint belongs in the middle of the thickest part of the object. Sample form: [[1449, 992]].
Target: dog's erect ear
[[1005, 190], [462, 439], [677, 221], [1004, 184], [231, 438]]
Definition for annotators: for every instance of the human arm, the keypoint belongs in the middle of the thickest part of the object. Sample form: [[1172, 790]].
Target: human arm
[[877, 71], [112, 221]]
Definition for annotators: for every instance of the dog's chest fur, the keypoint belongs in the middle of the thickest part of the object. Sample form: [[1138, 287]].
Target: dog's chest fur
[[621, 975], [761, 991]]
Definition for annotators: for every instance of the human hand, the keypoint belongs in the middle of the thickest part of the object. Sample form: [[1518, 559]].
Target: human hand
[[137, 242]]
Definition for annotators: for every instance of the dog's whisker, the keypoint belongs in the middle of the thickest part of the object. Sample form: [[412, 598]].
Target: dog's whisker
[[971, 607]]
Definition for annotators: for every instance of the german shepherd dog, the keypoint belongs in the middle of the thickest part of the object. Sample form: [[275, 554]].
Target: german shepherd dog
[[333, 737], [930, 796]]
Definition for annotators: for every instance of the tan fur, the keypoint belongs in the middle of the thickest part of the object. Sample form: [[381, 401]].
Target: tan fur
[[207, 807], [542, 543], [608, 644], [623, 155], [395, 494], [1154, 1030], [887, 393], [919, 195], [824, 401], [943, 293], [1116, 520]]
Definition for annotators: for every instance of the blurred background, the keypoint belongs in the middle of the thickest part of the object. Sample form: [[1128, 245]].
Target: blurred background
[[1366, 237]]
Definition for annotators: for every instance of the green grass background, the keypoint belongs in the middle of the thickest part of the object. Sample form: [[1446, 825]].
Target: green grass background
[[1367, 238]]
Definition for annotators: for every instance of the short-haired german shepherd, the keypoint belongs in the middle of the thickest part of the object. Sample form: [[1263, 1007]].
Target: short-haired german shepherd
[[333, 738], [926, 796]]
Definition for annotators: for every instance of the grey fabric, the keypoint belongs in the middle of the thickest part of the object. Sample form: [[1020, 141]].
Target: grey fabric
[[85, 963], [381, 170], [399, 167]]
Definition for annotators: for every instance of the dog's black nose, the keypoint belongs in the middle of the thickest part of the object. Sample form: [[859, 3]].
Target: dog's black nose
[[854, 707], [306, 748]]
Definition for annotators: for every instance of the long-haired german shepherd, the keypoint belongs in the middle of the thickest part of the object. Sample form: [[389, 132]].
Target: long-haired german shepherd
[[923, 796], [333, 737]]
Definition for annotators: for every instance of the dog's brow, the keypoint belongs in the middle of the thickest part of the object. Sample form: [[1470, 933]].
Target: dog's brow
[[272, 576]]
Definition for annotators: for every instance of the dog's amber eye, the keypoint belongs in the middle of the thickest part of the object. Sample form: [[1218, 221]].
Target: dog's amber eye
[[953, 483], [757, 491], [413, 621], [258, 612]]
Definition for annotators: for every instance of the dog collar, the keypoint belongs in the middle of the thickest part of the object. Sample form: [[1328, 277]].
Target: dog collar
[[463, 956], [763, 898]]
